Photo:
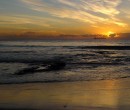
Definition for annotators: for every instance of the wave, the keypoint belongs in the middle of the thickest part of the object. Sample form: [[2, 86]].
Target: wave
[[38, 62], [21, 81], [69, 60], [14, 51], [6, 45], [106, 47], [112, 47]]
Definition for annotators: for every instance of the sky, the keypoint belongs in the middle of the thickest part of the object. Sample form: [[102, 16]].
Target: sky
[[64, 16]]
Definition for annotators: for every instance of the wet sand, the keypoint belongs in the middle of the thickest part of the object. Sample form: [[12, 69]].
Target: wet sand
[[86, 95]]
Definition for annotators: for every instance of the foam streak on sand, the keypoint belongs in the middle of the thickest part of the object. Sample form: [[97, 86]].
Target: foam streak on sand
[[93, 95]]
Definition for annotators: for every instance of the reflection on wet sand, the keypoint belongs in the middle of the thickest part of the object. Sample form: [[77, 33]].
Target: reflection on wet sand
[[87, 95]]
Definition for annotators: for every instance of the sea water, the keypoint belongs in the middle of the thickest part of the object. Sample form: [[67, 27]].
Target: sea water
[[85, 60]]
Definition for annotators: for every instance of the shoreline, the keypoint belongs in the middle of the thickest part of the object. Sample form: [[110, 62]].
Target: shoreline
[[80, 95], [66, 81]]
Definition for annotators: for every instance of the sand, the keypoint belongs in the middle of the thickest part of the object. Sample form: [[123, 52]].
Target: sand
[[85, 95]]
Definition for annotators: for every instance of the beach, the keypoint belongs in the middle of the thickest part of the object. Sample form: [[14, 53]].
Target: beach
[[64, 54], [80, 95], [65, 75]]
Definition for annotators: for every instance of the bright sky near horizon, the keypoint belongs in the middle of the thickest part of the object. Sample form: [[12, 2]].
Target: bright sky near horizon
[[64, 16]]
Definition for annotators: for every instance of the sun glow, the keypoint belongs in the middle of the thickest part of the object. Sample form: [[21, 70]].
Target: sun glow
[[110, 34]]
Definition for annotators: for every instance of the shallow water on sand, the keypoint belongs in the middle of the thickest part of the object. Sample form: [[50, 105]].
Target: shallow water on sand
[[83, 60], [80, 95]]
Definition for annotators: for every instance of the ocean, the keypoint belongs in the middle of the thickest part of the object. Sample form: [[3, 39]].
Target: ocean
[[63, 60]]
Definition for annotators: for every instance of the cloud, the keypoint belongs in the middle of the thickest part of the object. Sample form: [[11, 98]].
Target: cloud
[[125, 7], [89, 11], [23, 20], [107, 7]]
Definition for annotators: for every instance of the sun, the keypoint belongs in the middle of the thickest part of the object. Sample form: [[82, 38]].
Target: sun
[[110, 34]]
